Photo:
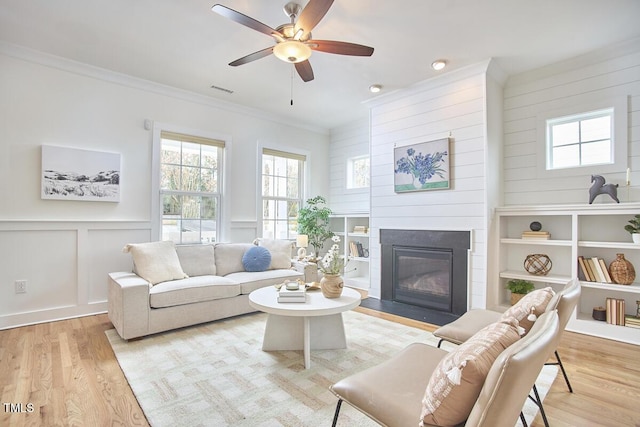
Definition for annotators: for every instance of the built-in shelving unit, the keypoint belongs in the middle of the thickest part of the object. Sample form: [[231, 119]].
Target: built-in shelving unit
[[357, 270], [576, 230]]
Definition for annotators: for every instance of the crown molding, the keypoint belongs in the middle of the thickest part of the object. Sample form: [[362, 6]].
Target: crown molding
[[440, 80], [86, 70]]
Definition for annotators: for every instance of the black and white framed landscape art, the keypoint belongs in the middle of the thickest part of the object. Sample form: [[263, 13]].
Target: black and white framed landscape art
[[76, 174]]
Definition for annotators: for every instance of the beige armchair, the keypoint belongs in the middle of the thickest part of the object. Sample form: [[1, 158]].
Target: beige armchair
[[472, 321], [391, 393]]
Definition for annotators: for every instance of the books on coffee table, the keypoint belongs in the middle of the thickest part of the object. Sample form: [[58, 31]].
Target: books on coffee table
[[286, 295]]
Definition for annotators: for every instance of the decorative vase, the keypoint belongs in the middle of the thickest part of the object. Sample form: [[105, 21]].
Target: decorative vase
[[538, 264], [635, 237], [622, 271], [416, 183], [331, 285]]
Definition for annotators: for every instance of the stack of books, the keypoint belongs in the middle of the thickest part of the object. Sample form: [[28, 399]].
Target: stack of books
[[632, 321], [545, 235], [360, 229], [286, 295], [615, 311], [594, 269]]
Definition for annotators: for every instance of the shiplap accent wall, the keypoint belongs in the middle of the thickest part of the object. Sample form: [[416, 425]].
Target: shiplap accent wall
[[347, 141], [612, 72], [455, 104]]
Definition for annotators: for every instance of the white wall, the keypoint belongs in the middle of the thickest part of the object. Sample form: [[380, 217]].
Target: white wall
[[610, 73], [65, 249], [456, 105], [347, 141]]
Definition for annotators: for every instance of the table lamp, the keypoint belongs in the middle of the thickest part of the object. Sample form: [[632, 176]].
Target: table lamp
[[302, 241]]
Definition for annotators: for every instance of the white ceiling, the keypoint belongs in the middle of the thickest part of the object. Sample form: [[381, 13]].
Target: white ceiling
[[185, 45]]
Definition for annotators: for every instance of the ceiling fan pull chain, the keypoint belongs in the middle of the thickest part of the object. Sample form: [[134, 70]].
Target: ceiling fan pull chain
[[292, 67]]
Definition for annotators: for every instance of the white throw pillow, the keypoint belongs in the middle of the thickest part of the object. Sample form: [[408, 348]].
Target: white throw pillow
[[280, 252], [155, 262]]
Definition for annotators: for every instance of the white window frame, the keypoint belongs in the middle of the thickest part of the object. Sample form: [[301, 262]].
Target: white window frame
[[583, 107], [156, 199], [306, 173], [350, 176]]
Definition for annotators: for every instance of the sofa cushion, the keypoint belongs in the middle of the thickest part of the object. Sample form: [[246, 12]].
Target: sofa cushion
[[280, 252], [256, 258], [197, 260], [250, 281], [193, 289], [229, 257], [532, 303], [155, 262], [456, 382]]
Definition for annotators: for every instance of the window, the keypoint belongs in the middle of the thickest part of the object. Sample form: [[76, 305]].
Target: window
[[190, 169], [358, 172], [580, 140], [282, 191]]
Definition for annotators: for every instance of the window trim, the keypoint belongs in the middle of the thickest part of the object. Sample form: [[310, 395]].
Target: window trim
[[193, 135], [349, 177], [580, 107], [269, 147]]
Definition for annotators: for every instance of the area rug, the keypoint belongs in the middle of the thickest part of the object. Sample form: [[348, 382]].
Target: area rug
[[216, 374]]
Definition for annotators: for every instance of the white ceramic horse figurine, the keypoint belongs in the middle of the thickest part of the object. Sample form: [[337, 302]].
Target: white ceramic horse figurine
[[599, 187]]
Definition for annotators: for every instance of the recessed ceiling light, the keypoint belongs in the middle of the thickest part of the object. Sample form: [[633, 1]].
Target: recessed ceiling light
[[375, 88], [439, 64]]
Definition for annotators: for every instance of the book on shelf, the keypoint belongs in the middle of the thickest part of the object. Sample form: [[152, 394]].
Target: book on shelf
[[356, 249], [288, 295], [585, 269], [632, 321], [605, 270], [597, 270], [545, 235], [615, 311]]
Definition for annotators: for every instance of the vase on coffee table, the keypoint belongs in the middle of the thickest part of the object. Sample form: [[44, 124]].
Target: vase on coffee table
[[331, 285]]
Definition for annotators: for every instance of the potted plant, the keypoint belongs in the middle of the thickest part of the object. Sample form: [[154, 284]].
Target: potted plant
[[519, 288], [634, 228], [313, 220]]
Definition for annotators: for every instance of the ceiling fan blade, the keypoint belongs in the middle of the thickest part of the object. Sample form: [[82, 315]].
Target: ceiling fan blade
[[252, 57], [340, 48], [243, 19], [312, 13], [304, 70]]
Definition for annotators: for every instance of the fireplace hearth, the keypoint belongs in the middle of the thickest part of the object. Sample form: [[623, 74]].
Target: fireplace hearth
[[424, 274]]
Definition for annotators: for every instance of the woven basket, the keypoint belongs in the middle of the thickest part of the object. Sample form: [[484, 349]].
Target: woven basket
[[538, 264], [622, 271]]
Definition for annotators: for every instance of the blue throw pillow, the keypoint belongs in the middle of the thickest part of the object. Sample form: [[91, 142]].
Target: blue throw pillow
[[256, 258]]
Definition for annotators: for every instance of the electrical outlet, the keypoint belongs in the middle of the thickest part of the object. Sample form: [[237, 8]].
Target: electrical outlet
[[21, 286]]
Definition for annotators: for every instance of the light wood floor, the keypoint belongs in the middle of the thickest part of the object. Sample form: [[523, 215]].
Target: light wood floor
[[69, 373]]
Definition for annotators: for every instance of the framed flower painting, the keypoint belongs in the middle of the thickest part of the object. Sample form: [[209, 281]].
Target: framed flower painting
[[423, 166]]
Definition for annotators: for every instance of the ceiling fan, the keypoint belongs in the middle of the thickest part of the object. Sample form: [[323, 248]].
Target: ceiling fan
[[293, 40]]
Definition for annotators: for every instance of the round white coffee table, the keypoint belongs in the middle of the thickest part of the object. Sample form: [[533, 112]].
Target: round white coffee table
[[312, 325]]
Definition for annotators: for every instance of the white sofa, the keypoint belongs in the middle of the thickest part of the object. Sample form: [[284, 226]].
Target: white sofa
[[205, 283]]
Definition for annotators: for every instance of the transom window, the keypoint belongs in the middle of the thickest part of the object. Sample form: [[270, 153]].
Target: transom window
[[190, 169], [580, 140], [282, 191], [358, 172]]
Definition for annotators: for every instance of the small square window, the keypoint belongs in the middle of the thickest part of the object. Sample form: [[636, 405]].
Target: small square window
[[580, 140], [358, 172]]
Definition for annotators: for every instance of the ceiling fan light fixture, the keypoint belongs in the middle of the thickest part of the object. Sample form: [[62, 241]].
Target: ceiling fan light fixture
[[375, 88], [438, 64], [292, 51]]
